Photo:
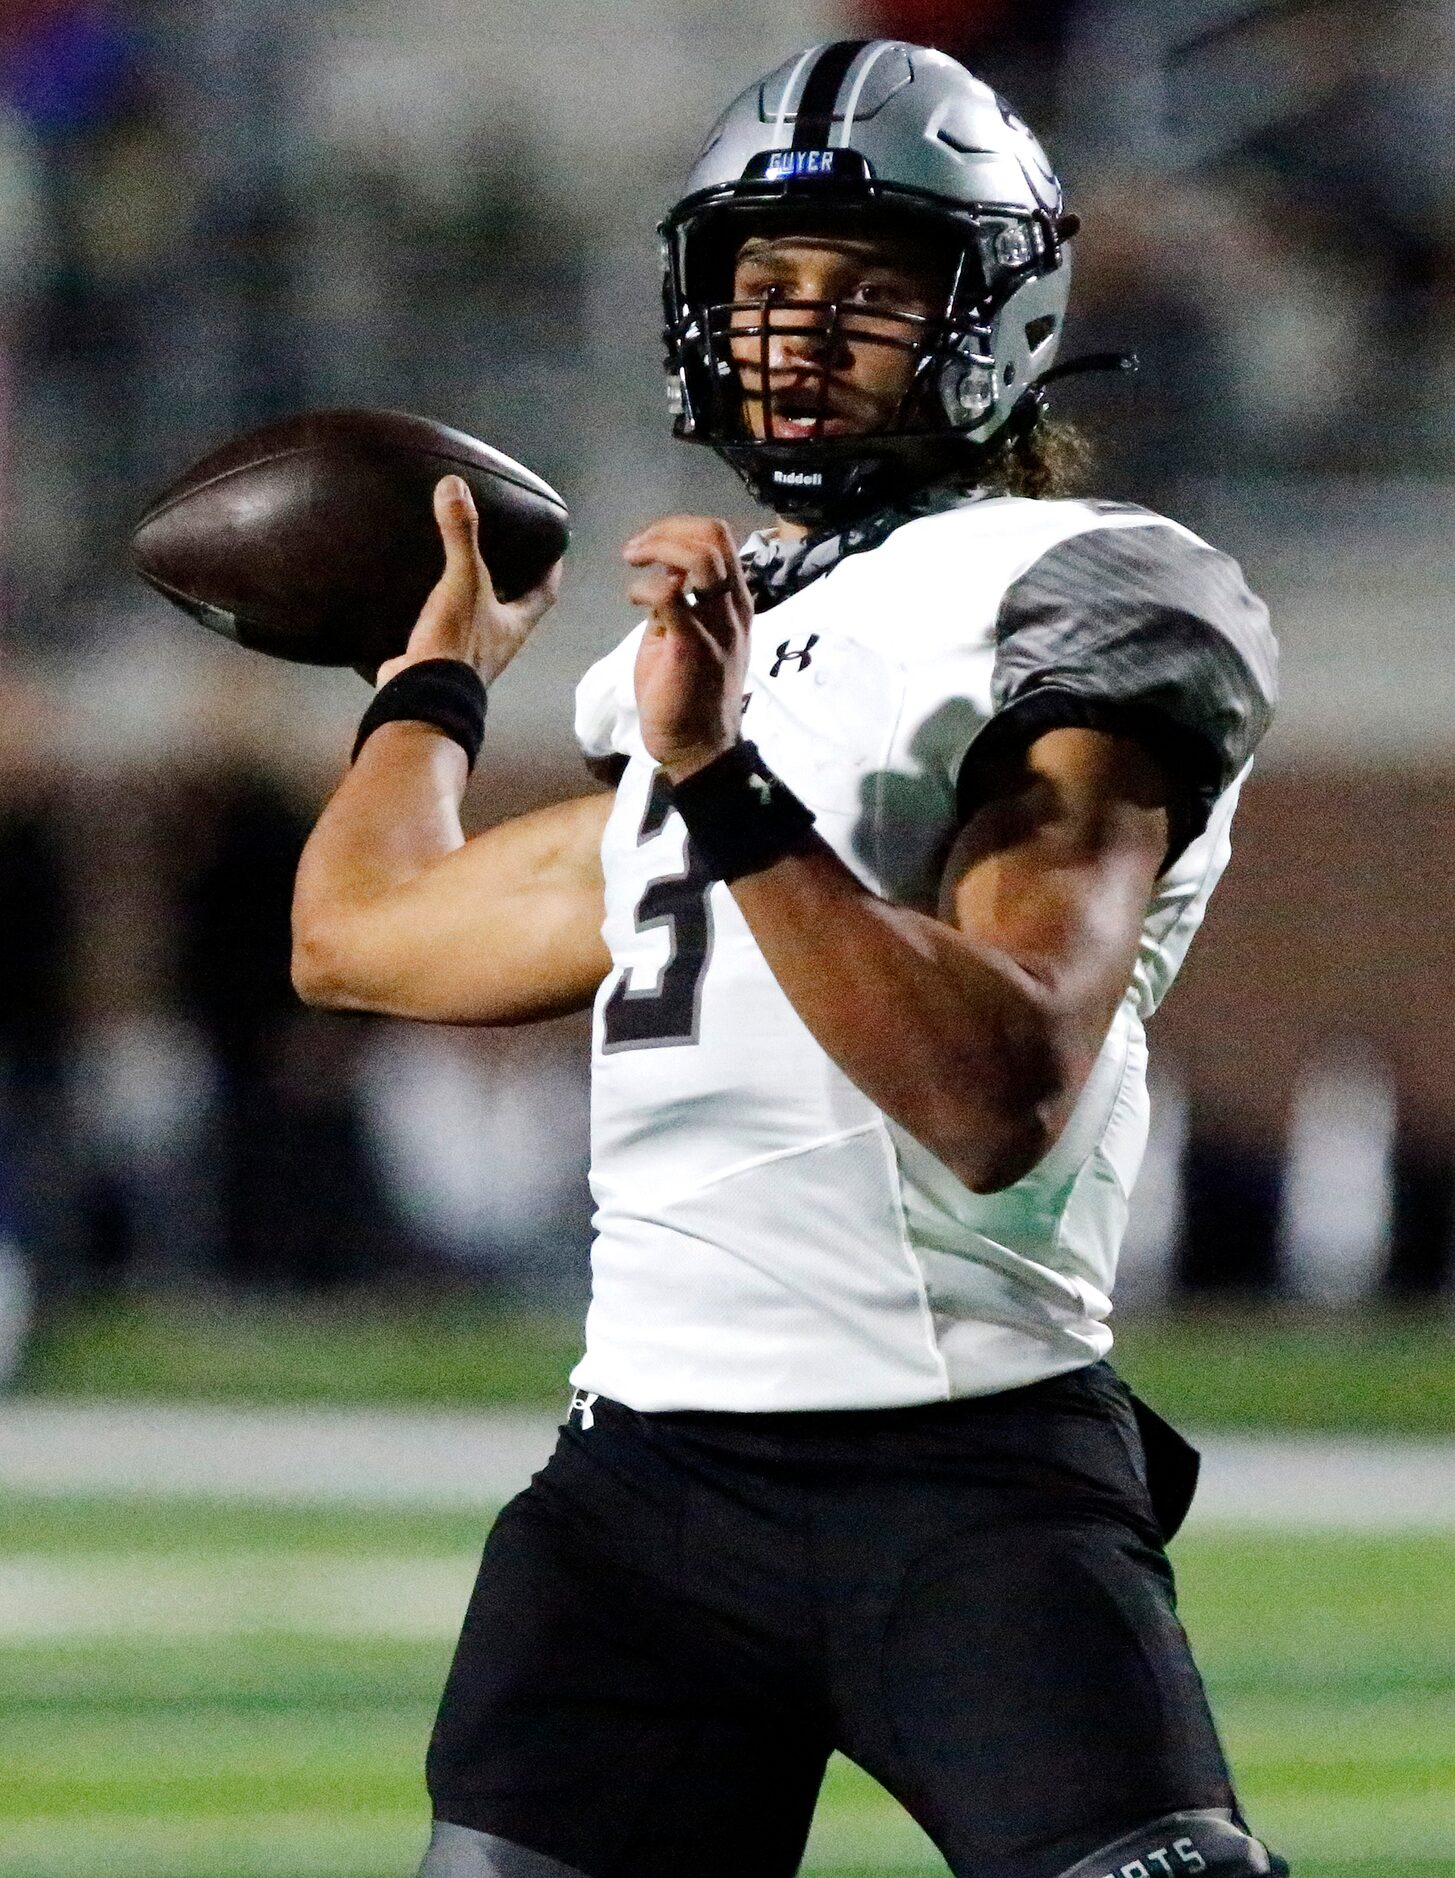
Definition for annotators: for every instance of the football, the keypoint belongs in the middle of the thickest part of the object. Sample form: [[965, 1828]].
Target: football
[[314, 538]]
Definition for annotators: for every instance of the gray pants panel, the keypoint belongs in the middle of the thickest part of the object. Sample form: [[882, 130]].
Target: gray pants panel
[[459, 1852], [1183, 1845]]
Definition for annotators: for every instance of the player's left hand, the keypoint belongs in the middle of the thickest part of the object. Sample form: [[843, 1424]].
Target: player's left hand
[[694, 654]]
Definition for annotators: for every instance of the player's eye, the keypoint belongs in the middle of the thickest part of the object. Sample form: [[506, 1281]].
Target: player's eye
[[892, 295], [889, 296], [754, 280]]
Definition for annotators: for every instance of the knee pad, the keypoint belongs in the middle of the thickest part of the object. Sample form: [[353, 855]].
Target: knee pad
[[1183, 1845], [461, 1852]]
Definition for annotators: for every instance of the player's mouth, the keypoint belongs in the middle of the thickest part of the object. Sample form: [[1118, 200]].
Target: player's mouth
[[791, 429], [795, 416]]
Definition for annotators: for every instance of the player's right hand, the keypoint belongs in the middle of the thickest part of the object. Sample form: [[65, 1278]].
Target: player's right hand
[[464, 618]]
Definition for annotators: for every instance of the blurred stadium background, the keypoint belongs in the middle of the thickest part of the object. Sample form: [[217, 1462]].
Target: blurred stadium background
[[216, 214]]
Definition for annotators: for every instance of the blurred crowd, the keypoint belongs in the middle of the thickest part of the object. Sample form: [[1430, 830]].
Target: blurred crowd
[[212, 215], [172, 1115], [1267, 192]]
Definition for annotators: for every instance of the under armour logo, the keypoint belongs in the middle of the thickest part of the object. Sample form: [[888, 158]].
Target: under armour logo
[[582, 1401], [763, 790], [799, 659]]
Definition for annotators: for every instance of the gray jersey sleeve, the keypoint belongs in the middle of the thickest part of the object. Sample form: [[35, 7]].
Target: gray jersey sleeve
[[1143, 630]]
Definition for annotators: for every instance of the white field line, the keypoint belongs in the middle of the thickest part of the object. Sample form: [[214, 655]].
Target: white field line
[[313, 1457], [442, 1462], [225, 1845], [45, 1598], [1304, 1484], [315, 1843]]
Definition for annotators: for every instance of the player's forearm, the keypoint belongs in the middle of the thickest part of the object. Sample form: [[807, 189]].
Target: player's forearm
[[395, 814], [967, 1051]]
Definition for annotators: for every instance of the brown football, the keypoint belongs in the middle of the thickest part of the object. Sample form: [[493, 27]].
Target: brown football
[[314, 538]]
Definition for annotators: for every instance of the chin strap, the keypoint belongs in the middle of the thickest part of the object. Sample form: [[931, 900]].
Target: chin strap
[[1034, 404], [1091, 362]]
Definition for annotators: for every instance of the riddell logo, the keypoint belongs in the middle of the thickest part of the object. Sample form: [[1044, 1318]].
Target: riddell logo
[[799, 479]]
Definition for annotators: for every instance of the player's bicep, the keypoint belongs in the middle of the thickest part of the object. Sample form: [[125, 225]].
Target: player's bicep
[[504, 930], [1056, 864]]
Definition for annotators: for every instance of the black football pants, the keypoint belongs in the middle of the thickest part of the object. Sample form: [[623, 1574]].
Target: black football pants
[[684, 1614]]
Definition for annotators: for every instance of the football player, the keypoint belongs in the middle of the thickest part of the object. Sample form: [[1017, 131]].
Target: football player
[[918, 801]]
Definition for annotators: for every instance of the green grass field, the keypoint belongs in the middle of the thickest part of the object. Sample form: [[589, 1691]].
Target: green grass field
[[1240, 1368], [192, 1691]]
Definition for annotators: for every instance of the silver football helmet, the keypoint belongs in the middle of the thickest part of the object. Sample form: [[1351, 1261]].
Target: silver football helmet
[[863, 135]]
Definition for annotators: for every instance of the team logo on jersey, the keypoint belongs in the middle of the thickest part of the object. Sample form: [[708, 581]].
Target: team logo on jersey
[[800, 659]]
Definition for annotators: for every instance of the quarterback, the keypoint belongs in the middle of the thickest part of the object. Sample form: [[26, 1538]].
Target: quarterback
[[916, 801]]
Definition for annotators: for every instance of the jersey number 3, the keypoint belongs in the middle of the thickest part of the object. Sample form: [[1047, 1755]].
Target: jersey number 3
[[667, 1014]]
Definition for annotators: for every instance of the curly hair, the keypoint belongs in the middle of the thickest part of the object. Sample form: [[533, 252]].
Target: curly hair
[[1052, 458]]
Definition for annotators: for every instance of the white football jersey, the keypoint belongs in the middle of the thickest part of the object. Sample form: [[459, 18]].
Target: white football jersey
[[766, 1238]]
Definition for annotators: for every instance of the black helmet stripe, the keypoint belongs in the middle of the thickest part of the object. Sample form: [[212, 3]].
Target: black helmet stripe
[[821, 93]]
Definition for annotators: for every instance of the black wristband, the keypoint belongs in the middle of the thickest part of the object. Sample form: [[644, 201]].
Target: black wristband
[[739, 816], [446, 693]]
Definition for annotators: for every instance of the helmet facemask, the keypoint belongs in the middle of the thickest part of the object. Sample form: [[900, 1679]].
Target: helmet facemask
[[871, 134], [740, 340], [801, 456]]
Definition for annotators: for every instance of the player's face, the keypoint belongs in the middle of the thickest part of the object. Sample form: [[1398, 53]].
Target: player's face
[[827, 375]]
